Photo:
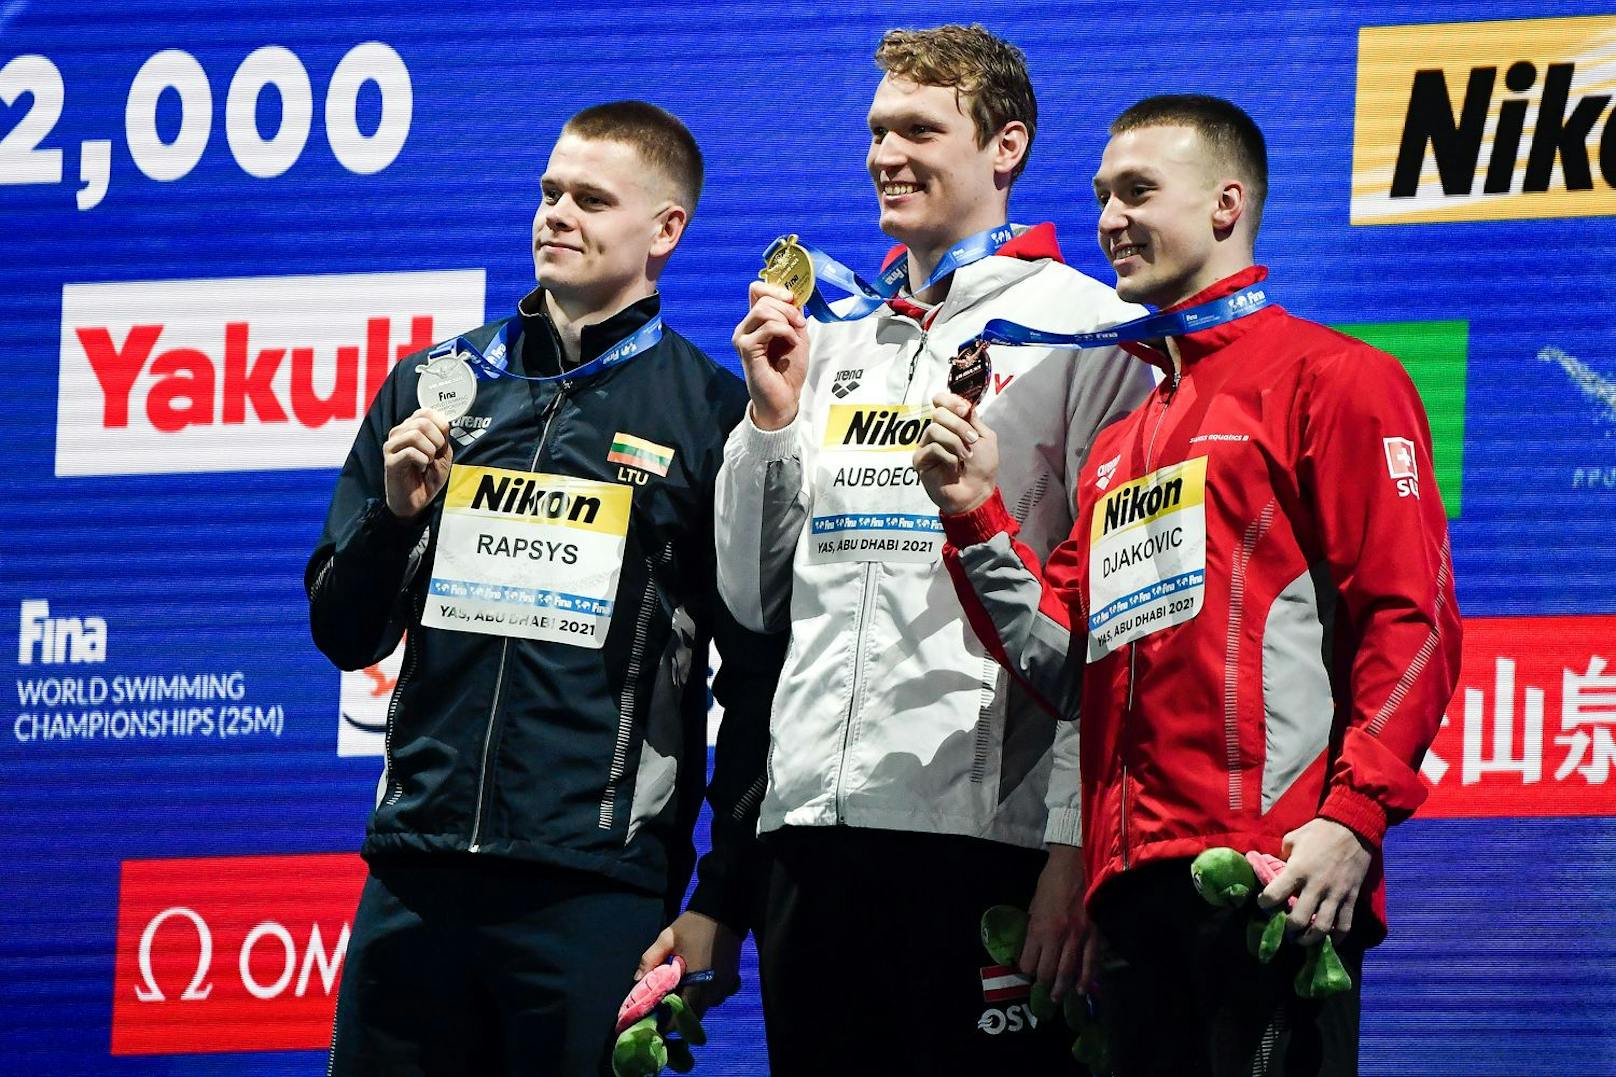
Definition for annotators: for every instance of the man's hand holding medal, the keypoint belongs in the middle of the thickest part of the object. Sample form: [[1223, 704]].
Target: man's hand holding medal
[[958, 454], [772, 340]]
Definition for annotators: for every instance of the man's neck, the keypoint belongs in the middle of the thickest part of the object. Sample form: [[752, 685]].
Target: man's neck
[[571, 314], [1206, 277], [926, 255]]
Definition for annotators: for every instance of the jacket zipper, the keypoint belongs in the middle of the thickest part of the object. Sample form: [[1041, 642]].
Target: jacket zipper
[[870, 568], [1133, 648], [914, 361], [866, 601], [504, 649]]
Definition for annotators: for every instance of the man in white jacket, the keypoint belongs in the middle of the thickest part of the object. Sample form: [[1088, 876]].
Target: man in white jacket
[[909, 784]]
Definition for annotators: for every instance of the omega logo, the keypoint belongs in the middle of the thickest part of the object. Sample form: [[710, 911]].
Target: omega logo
[[267, 933]]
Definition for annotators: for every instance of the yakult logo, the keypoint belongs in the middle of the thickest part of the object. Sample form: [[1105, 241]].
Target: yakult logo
[[253, 374], [231, 954]]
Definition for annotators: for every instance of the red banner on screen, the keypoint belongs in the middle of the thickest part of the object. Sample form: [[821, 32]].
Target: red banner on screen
[[231, 953], [1532, 728]]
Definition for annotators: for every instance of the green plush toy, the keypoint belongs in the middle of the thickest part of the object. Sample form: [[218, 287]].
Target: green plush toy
[[1004, 934], [655, 1027], [1227, 879]]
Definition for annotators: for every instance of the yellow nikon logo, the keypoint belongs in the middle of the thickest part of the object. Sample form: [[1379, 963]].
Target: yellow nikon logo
[[540, 499], [1485, 121], [881, 427]]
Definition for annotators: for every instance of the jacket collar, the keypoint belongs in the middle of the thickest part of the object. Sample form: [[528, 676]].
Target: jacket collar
[[541, 351], [1204, 342], [1016, 260]]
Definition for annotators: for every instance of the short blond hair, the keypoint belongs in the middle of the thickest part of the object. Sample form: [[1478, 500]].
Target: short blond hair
[[975, 64], [662, 139]]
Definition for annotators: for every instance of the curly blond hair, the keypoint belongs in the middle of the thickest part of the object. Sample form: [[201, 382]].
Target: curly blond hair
[[985, 72]]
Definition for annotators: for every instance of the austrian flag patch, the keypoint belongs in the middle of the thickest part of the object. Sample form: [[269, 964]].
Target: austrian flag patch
[[637, 452]]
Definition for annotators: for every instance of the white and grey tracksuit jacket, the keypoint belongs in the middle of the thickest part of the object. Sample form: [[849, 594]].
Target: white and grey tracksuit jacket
[[889, 713]]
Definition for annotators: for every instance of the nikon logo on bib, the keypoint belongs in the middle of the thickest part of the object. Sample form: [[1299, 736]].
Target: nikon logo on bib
[[868, 501], [890, 428], [1147, 556], [530, 555]]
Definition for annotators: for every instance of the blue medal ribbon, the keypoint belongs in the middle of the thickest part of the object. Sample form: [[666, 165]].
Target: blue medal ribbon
[[495, 363], [1247, 300], [868, 298]]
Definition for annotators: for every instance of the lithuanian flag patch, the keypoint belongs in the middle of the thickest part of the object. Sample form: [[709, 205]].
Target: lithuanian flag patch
[[637, 452]]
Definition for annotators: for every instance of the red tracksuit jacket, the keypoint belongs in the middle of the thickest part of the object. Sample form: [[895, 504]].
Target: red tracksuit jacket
[[1262, 594]]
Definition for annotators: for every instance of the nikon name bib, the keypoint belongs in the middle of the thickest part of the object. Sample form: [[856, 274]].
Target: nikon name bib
[[531, 555], [1147, 556], [868, 501]]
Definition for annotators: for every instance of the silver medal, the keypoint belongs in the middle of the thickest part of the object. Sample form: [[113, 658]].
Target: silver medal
[[447, 385]]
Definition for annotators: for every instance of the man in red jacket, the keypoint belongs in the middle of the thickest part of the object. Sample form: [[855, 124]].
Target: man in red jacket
[[1259, 601]]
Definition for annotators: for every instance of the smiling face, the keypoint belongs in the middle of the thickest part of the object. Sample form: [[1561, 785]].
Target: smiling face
[[935, 184], [606, 224], [1168, 214]]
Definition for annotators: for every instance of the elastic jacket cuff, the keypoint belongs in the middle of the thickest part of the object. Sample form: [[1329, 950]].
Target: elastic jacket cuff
[[980, 524], [778, 444], [1065, 827], [1362, 815]]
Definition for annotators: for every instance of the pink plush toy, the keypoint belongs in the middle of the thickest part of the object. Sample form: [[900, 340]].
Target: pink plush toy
[[654, 1026], [653, 987]]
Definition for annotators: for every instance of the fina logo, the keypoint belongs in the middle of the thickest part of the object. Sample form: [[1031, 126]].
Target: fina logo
[[59, 640]]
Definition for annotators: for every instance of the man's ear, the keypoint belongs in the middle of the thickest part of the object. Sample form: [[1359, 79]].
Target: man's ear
[[670, 227], [1009, 149], [1231, 207]]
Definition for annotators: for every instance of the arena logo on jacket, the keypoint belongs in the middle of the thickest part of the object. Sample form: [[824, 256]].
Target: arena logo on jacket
[[1485, 121], [468, 428], [246, 374]]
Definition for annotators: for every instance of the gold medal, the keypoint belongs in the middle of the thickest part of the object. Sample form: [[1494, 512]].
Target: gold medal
[[786, 264]]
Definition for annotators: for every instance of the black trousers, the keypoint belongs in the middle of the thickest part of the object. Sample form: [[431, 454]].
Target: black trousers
[[872, 962], [474, 966], [1181, 995]]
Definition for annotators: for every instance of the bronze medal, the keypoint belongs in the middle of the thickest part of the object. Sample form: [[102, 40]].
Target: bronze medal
[[969, 370]]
